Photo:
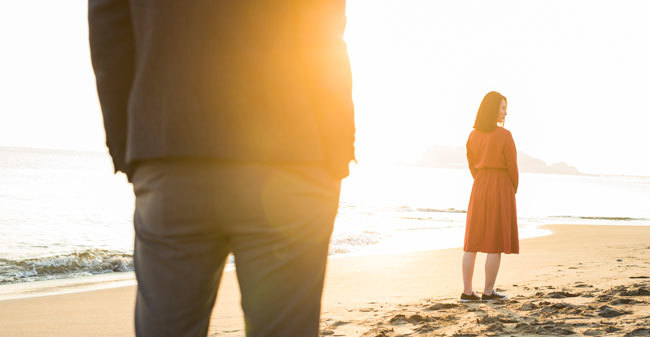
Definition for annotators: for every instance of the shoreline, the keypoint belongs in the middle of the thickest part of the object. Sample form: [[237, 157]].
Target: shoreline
[[73, 283], [61, 286], [67, 285], [361, 291]]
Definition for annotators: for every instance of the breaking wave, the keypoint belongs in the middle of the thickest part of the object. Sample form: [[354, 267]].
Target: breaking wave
[[613, 218], [91, 261], [350, 242]]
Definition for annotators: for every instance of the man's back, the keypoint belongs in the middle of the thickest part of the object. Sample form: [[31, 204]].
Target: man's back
[[261, 81]]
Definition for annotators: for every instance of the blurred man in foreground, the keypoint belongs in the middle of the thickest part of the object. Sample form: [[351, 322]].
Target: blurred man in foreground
[[234, 122]]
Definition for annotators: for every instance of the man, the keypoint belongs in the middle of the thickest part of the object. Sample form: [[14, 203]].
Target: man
[[234, 122]]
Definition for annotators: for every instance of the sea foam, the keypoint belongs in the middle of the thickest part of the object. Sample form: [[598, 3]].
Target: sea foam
[[86, 262]]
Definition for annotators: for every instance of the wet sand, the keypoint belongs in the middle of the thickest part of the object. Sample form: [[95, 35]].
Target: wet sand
[[582, 280]]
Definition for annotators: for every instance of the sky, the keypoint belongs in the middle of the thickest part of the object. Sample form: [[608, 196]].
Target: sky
[[575, 72]]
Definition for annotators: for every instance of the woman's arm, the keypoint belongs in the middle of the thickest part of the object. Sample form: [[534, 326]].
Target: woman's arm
[[510, 154], [470, 160]]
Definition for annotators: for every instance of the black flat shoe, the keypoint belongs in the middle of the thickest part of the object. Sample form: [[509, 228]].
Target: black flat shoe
[[494, 296], [469, 298]]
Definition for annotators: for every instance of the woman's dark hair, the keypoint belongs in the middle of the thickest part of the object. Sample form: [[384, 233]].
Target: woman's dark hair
[[488, 112]]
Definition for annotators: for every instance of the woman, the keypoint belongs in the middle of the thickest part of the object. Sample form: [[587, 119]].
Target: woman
[[491, 225]]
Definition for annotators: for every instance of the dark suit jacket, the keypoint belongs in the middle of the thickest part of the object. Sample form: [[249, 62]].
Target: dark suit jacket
[[253, 81]]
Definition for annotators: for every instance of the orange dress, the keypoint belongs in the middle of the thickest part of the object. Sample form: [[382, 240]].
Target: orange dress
[[491, 225]]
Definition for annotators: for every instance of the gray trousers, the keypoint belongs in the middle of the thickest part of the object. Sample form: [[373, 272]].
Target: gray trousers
[[189, 215]]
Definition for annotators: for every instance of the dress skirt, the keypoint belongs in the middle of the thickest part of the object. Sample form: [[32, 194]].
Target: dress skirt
[[491, 225]]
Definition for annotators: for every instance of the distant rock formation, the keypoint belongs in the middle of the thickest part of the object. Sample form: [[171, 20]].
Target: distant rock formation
[[454, 157]]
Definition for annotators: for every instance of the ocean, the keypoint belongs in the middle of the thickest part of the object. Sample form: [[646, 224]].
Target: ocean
[[64, 215]]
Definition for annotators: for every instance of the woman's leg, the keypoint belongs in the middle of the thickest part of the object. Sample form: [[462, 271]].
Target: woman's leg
[[468, 271], [491, 270]]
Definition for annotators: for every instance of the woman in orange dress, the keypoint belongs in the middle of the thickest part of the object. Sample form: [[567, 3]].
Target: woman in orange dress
[[491, 225]]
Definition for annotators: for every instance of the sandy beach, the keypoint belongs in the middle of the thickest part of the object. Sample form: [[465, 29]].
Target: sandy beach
[[584, 280]]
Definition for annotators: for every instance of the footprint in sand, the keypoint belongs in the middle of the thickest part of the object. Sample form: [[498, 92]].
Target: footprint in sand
[[622, 301], [638, 332], [636, 292], [562, 294], [608, 312], [442, 306]]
